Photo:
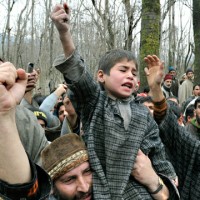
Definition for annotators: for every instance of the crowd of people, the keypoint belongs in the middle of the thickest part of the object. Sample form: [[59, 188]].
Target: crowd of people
[[99, 139]]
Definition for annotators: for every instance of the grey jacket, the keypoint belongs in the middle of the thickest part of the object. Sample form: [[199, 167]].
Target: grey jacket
[[31, 133]]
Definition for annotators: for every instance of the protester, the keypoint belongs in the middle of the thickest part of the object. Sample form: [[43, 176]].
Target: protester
[[175, 82], [189, 115], [183, 149], [186, 88], [194, 126], [66, 161], [109, 117], [166, 87]]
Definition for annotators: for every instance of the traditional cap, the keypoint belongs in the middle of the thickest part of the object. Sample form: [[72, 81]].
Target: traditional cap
[[64, 154], [40, 115], [171, 68], [167, 76], [189, 70]]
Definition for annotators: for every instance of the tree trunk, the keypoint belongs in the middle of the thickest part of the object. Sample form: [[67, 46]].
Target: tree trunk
[[150, 34], [196, 28]]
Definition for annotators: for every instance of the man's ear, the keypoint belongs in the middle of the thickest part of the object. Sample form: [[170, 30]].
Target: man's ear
[[100, 76]]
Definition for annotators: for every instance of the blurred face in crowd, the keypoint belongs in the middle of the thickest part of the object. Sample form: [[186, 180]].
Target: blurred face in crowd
[[62, 113], [197, 111], [190, 75], [196, 91], [150, 106], [172, 73], [42, 123], [168, 83], [75, 184]]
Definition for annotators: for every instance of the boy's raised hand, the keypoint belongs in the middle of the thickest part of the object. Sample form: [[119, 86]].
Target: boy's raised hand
[[154, 73], [61, 16]]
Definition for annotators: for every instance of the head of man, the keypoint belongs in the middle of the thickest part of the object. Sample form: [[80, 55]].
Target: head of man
[[172, 71], [189, 74], [66, 161], [168, 81], [146, 101], [61, 111], [197, 109], [41, 117], [196, 90]]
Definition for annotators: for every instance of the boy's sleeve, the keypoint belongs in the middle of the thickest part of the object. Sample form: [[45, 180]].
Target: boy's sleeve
[[154, 148], [38, 188]]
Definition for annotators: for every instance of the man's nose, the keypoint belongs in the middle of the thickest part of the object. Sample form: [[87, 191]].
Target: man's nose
[[83, 185]]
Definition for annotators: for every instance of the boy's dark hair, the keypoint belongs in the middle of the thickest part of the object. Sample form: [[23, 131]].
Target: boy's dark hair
[[189, 112], [196, 102], [1, 60], [112, 57]]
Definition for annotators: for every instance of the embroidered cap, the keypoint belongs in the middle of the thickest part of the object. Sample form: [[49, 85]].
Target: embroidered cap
[[64, 154]]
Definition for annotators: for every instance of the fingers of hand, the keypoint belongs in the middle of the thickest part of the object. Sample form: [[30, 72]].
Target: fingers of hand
[[8, 74]]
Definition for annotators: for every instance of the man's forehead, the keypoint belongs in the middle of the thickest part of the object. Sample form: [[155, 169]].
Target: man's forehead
[[77, 170]]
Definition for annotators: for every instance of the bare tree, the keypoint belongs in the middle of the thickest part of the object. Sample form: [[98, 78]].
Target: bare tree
[[196, 28]]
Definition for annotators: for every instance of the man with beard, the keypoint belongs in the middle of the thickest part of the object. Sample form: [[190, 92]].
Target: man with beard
[[166, 87], [194, 126], [175, 83], [66, 161]]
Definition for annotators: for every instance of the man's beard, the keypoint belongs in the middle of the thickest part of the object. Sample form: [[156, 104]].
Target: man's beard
[[78, 196], [198, 119]]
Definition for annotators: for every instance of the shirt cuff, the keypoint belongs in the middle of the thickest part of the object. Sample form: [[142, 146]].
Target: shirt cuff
[[33, 190]]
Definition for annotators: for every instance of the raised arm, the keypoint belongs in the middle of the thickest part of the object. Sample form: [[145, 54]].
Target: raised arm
[[61, 17], [154, 73], [14, 163]]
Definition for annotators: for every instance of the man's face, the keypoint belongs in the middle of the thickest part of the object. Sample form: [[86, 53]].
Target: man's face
[[75, 184], [168, 83], [62, 113], [196, 91], [172, 73], [121, 82], [190, 75], [197, 111]]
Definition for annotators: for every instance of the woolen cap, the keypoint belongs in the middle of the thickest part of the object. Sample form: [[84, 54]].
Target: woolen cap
[[64, 154], [167, 77], [171, 68]]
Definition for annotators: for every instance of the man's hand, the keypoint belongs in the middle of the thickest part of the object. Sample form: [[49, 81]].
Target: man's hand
[[12, 86], [32, 80], [143, 170], [154, 73], [60, 16], [60, 90], [144, 173]]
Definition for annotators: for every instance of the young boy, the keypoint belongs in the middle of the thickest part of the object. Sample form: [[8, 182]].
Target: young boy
[[115, 127]]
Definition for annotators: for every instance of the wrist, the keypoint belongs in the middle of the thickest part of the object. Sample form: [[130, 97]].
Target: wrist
[[157, 186]]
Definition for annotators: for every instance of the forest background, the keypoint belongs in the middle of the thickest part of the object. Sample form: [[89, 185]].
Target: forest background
[[167, 28]]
